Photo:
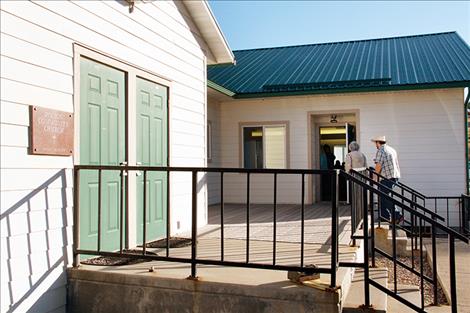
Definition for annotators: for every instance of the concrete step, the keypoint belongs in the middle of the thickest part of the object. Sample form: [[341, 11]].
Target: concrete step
[[384, 240], [407, 292], [355, 295]]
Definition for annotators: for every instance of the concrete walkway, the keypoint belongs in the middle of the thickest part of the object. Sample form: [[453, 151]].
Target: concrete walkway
[[462, 264]]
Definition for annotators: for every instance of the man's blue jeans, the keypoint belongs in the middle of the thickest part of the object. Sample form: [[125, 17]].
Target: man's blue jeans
[[387, 206]]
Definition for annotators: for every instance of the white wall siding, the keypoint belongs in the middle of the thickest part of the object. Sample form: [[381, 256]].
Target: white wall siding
[[213, 182], [37, 69], [426, 127]]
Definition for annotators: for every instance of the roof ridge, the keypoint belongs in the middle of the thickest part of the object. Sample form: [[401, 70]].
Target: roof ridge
[[346, 41]]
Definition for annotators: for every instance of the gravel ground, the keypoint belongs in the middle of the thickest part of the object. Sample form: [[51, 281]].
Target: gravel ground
[[405, 277]]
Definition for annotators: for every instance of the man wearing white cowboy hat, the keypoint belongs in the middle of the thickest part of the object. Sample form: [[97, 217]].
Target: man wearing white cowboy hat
[[386, 164]]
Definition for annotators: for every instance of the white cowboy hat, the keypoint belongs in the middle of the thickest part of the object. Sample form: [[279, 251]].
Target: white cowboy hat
[[379, 138]]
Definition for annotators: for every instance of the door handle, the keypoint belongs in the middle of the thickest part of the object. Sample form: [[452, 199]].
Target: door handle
[[124, 173], [138, 173]]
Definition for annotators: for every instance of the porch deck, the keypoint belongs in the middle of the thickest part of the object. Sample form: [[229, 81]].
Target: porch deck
[[288, 227], [223, 288], [288, 223]]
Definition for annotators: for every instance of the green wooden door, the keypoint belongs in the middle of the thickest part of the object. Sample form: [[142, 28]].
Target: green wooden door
[[152, 145], [102, 142]]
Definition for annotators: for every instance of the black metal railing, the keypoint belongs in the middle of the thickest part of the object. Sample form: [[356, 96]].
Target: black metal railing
[[449, 209], [420, 218], [193, 259], [465, 214]]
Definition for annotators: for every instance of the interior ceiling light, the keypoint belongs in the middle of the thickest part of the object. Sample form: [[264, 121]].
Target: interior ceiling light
[[333, 119]]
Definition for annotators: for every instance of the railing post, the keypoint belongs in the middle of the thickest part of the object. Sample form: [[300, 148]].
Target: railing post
[[421, 262], [99, 210], [121, 211], [248, 217], [194, 225], [394, 251], [302, 226], [434, 262], [462, 207], [372, 224], [274, 218], [334, 226], [168, 213], [76, 217], [453, 283], [366, 248], [144, 215], [413, 238], [353, 201], [222, 216]]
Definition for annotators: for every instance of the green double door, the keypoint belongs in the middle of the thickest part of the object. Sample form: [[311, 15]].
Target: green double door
[[151, 151], [103, 133]]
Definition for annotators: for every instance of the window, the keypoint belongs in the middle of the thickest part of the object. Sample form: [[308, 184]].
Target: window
[[265, 146], [209, 141]]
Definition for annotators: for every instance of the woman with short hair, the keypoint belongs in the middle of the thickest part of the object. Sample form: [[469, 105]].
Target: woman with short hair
[[355, 159]]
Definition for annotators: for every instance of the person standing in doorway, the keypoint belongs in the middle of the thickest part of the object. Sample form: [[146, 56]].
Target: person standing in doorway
[[327, 161], [386, 164]]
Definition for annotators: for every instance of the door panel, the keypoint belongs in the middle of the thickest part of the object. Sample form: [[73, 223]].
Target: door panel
[[102, 142], [350, 134], [152, 151]]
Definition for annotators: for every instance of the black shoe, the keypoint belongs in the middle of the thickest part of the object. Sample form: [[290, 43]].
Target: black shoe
[[399, 220]]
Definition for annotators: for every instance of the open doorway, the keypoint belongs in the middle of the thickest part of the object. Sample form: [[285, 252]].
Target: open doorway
[[334, 142], [330, 138]]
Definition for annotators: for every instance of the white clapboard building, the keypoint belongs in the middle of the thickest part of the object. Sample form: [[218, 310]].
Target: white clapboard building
[[133, 74]]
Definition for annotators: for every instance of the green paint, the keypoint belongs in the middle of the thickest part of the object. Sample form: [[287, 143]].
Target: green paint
[[102, 142], [152, 146]]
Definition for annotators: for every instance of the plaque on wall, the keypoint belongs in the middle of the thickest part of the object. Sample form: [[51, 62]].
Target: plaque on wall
[[51, 131]]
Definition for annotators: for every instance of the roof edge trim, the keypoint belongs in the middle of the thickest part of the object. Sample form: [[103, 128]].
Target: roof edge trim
[[220, 89], [210, 30], [461, 84]]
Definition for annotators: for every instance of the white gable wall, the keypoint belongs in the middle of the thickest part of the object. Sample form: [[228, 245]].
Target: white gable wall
[[426, 127], [37, 69]]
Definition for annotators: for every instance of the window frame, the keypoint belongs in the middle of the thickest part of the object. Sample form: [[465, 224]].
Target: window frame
[[263, 125]]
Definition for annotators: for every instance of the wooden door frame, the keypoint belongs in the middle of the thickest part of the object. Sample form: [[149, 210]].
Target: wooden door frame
[[131, 72], [311, 197]]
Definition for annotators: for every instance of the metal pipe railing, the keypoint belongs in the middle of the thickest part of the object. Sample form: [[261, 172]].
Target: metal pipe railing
[[400, 196], [419, 217], [462, 224], [422, 219], [193, 259]]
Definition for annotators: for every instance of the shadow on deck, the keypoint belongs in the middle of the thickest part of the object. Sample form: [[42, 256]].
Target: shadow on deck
[[223, 288]]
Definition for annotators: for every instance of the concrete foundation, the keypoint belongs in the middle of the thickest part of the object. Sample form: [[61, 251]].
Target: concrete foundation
[[92, 291]]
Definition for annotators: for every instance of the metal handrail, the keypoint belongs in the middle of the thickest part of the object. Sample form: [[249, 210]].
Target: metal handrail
[[394, 193], [408, 209], [193, 259], [400, 184], [204, 169], [369, 190]]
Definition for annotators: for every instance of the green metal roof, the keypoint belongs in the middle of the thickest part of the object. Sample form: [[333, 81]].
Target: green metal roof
[[409, 62]]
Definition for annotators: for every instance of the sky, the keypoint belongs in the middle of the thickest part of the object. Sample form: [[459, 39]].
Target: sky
[[258, 24]]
